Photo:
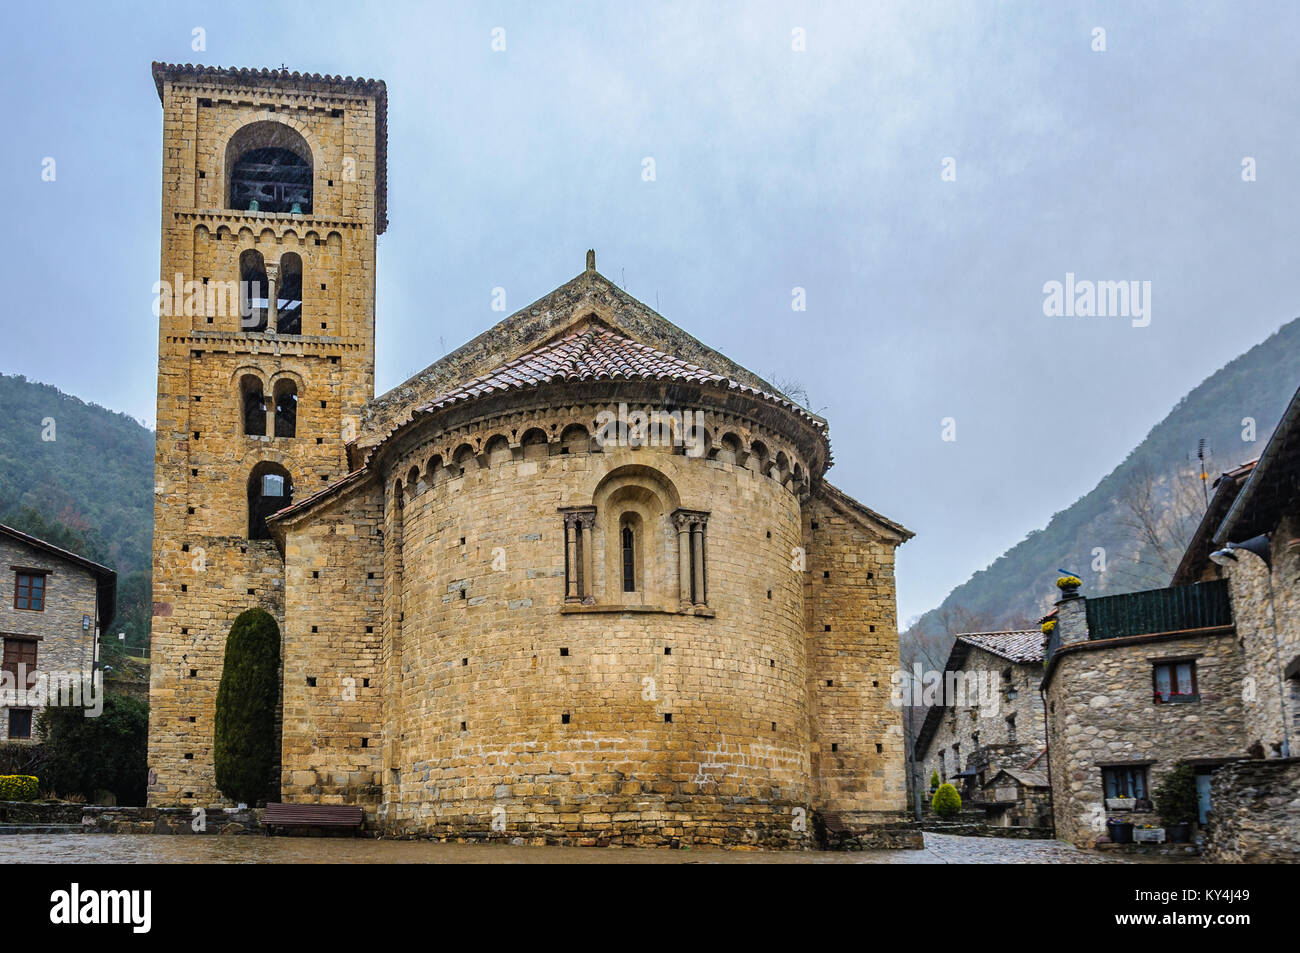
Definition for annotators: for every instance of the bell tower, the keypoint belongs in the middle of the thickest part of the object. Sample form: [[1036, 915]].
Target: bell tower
[[273, 195]]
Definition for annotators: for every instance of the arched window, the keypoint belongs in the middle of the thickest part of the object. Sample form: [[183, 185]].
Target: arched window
[[254, 405], [286, 408], [270, 170], [628, 539], [253, 302], [270, 489], [288, 296]]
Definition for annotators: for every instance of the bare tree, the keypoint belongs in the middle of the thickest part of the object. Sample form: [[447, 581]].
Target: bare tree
[[1157, 517]]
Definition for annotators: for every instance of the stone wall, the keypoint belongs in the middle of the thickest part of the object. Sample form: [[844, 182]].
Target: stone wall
[[995, 748], [1101, 713], [1256, 816], [206, 570], [70, 594], [1266, 605]]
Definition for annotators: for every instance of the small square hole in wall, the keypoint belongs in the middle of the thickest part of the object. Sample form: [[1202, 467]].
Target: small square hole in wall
[[875, 684], [668, 650], [196, 435], [315, 573], [311, 681], [370, 575], [830, 683], [314, 629], [370, 629], [322, 286], [826, 628], [365, 742], [243, 549], [185, 631], [871, 628], [193, 719], [564, 653], [185, 587], [191, 511], [209, 320], [365, 683], [564, 719], [323, 326], [462, 727], [769, 593], [202, 174], [194, 673], [668, 716], [826, 574], [464, 661], [816, 525], [771, 663], [834, 747], [324, 478], [464, 594], [251, 592], [880, 749], [769, 534], [774, 726], [188, 794], [330, 183], [185, 547], [319, 441], [194, 472], [322, 405], [189, 756], [462, 540]]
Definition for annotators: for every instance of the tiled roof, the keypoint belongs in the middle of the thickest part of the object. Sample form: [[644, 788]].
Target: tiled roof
[[594, 353], [1032, 779], [1020, 645]]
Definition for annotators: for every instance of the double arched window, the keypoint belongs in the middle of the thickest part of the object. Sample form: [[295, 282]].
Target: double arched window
[[254, 407]]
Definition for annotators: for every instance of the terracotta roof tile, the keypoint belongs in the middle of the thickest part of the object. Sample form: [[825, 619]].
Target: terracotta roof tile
[[589, 354]]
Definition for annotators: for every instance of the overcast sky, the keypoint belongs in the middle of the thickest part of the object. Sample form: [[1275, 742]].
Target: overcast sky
[[776, 168]]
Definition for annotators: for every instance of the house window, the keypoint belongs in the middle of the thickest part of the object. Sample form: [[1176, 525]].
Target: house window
[[1011, 729], [20, 661], [254, 406], [20, 724], [1175, 681], [1125, 782], [288, 303], [286, 408], [29, 591], [253, 291]]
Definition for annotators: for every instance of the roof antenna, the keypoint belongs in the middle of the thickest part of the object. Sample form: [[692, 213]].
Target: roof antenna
[[1205, 488]]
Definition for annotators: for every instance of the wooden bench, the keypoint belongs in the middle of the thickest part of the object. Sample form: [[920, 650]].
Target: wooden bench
[[332, 816], [834, 823]]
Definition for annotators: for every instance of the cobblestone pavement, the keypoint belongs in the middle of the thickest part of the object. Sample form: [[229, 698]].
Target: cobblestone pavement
[[166, 849]]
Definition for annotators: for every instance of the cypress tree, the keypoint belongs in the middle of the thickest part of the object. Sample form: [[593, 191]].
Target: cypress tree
[[244, 752]]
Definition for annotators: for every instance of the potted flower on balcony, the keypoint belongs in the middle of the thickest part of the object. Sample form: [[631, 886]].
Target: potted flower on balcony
[[1176, 802]]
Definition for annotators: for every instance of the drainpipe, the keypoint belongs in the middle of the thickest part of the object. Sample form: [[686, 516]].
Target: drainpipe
[[1047, 749]]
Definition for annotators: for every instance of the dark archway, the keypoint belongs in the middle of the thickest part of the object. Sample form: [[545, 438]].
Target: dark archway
[[270, 489]]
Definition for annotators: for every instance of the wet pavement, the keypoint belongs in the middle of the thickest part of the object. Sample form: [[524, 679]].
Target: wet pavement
[[253, 849]]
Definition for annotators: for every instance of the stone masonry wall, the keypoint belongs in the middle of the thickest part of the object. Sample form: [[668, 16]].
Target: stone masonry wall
[[1266, 605], [857, 756], [1256, 816], [206, 570], [332, 727], [70, 593], [962, 725], [1101, 713]]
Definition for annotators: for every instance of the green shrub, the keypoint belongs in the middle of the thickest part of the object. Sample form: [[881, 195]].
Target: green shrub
[[946, 801], [1176, 799], [244, 745], [18, 787], [107, 752], [934, 780], [23, 757]]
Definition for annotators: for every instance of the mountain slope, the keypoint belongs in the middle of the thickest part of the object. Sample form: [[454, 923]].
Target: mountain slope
[[81, 477], [1156, 489]]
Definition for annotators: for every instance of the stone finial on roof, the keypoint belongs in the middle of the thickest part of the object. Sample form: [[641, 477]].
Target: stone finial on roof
[[591, 259]]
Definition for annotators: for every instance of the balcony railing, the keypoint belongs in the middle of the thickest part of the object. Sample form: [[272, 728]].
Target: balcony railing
[[1201, 605]]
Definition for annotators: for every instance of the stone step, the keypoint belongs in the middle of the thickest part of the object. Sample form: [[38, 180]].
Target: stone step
[[41, 829]]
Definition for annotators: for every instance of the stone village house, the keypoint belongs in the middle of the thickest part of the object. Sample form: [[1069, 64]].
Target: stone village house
[[54, 605], [508, 607], [1205, 671], [989, 743]]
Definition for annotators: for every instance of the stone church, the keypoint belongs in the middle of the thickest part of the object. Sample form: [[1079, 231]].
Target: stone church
[[582, 579]]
